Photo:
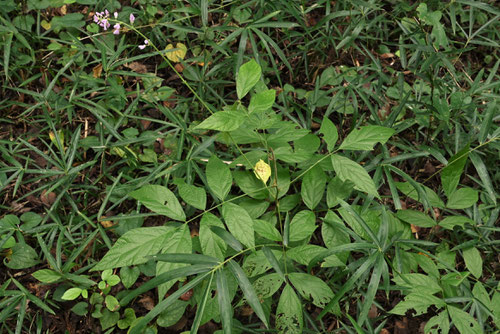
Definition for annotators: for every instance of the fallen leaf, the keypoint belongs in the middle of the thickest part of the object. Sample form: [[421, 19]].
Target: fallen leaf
[[97, 71], [179, 68], [147, 302], [48, 199], [107, 223], [137, 67], [373, 312], [187, 295]]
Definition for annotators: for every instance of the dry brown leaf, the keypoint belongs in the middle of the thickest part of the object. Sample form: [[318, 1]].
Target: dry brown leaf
[[373, 313], [107, 223], [179, 68], [48, 199], [137, 67], [97, 71], [147, 302], [187, 295]]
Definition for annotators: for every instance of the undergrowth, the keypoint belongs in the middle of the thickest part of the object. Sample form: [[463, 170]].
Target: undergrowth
[[249, 167]]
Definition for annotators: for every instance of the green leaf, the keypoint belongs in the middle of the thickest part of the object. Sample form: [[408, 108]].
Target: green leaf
[[201, 306], [312, 287], [239, 223], [80, 309], [109, 319], [266, 230], [347, 169], [70, 20], [329, 132], [479, 292], [450, 175], [248, 291], [438, 324], [161, 200], [305, 253], [129, 275], [219, 177], [463, 321], [30, 220], [179, 242], [462, 198], [250, 184], [46, 275], [192, 195], [418, 301], [139, 326], [211, 243], [407, 189], [473, 261], [248, 76], [229, 120], [454, 279], [427, 265], [256, 263], [418, 282], [128, 318], [450, 222], [267, 285], [302, 226], [416, 218], [112, 303], [228, 238], [262, 101], [133, 247], [224, 300], [338, 189], [482, 171], [172, 314], [289, 319], [366, 137], [334, 234], [23, 256], [71, 294], [313, 187]]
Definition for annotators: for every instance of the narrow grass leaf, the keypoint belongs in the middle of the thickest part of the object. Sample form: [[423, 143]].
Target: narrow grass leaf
[[223, 298], [139, 326], [201, 306], [248, 291]]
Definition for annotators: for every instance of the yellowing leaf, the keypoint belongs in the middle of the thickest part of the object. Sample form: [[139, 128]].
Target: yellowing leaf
[[178, 53], [106, 223], [262, 171], [53, 139], [46, 25]]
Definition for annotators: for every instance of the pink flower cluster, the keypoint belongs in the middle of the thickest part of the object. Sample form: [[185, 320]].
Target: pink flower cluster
[[102, 19]]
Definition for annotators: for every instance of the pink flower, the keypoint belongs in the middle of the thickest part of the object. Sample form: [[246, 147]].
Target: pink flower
[[144, 45], [105, 24], [116, 28], [132, 18], [115, 14], [107, 12]]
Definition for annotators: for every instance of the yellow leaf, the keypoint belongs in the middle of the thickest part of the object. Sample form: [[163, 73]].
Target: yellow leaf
[[262, 171], [46, 25], [178, 53], [53, 139], [107, 223]]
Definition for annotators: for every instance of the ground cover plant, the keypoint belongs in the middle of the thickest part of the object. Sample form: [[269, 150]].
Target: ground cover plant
[[249, 166]]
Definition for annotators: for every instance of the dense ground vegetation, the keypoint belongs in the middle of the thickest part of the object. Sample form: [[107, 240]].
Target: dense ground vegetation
[[249, 166]]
